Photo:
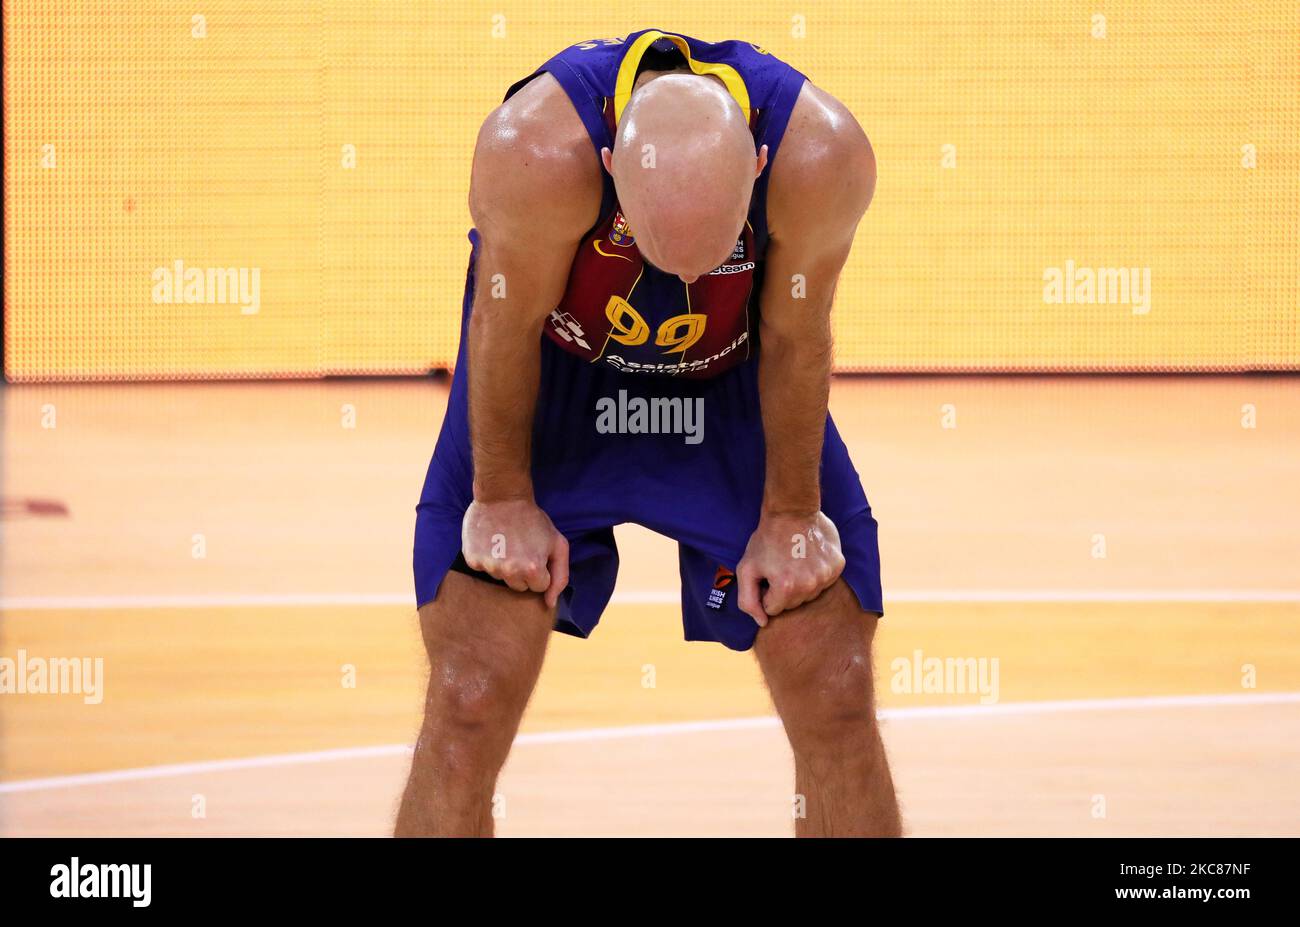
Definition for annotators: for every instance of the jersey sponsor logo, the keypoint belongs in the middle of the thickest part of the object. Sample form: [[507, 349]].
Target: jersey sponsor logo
[[691, 366], [731, 269], [736, 264], [621, 234], [723, 580]]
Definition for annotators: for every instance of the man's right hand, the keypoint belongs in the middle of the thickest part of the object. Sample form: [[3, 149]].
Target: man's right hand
[[514, 541]]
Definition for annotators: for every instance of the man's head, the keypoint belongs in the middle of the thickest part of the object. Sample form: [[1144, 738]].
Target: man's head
[[684, 167]]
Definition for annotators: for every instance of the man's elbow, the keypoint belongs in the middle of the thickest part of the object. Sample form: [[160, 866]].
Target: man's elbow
[[806, 343]]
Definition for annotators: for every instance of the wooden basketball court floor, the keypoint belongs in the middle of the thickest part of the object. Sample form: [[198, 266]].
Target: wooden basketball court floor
[[238, 554]]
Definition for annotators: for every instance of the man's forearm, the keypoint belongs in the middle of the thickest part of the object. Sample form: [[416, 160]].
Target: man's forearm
[[504, 368], [794, 387]]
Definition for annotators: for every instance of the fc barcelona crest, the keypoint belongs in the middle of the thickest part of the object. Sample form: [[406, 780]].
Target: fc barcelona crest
[[620, 234]]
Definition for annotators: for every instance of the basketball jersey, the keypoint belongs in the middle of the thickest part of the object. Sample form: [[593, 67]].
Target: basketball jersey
[[619, 310]]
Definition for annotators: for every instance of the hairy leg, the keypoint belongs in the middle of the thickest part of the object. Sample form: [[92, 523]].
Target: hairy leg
[[817, 663], [486, 645]]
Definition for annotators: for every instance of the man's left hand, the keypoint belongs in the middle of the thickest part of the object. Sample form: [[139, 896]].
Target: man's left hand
[[799, 557]]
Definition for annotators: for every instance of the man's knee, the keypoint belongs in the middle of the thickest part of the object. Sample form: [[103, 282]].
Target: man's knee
[[845, 695], [485, 646], [817, 661], [474, 694], [472, 712], [832, 701]]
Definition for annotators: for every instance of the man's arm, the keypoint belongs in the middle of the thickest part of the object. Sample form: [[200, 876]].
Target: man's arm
[[822, 182], [535, 189]]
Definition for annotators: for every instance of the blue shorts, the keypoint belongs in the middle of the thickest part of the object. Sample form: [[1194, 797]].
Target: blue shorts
[[705, 495]]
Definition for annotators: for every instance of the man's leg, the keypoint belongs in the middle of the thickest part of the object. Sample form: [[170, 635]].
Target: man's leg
[[817, 663], [486, 645]]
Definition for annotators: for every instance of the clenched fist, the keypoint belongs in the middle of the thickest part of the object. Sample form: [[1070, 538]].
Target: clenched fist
[[799, 557], [514, 541]]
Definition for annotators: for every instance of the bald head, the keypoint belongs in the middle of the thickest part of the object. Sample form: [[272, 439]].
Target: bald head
[[684, 167]]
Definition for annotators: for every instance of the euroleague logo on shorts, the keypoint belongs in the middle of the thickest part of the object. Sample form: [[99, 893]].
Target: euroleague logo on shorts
[[620, 234], [722, 581]]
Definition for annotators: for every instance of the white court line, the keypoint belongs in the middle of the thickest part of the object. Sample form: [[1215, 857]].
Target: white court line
[[644, 597], [1093, 595], [650, 730]]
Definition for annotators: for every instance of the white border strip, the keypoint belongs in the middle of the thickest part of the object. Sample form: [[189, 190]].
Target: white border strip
[[649, 730], [642, 597]]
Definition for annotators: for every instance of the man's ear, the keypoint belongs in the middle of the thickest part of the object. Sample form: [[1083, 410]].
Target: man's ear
[[607, 159], [762, 160]]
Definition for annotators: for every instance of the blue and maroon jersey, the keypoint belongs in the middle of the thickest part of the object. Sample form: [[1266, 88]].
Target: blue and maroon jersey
[[617, 309]]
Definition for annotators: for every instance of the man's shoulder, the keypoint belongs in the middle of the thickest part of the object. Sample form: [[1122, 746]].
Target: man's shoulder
[[822, 128], [538, 124], [534, 150], [825, 166]]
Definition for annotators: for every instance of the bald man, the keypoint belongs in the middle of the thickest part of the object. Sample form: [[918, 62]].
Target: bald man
[[660, 225]]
